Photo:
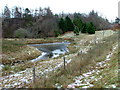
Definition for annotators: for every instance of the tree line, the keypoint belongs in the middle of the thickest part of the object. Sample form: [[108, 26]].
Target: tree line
[[41, 22], [77, 26]]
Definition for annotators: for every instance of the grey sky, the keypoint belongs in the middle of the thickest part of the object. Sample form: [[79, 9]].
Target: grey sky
[[107, 8]]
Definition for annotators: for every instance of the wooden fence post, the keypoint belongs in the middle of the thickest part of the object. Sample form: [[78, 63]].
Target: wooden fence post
[[64, 62], [99, 47], [33, 74], [103, 33], [95, 40]]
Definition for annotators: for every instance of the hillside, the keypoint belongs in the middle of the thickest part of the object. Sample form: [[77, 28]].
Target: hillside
[[90, 63]]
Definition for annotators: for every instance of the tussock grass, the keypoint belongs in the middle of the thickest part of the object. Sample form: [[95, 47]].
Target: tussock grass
[[44, 40], [14, 45], [7, 70], [79, 64], [72, 48], [109, 74], [26, 53], [15, 52], [9, 46]]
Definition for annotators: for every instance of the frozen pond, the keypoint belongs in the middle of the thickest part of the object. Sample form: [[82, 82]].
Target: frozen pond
[[51, 50]]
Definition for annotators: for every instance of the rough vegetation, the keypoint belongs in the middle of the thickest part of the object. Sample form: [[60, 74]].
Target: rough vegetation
[[84, 58], [22, 33], [87, 61]]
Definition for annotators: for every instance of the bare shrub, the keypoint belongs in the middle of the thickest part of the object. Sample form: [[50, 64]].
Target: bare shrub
[[22, 33]]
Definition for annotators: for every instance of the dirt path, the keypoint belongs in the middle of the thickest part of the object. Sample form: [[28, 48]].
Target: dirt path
[[24, 78]]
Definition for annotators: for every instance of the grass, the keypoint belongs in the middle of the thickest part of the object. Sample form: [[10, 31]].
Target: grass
[[15, 52], [109, 74], [26, 53], [44, 40], [14, 45], [80, 64], [9, 46], [7, 70]]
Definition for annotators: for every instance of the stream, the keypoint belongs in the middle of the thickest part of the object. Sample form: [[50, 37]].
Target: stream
[[50, 50]]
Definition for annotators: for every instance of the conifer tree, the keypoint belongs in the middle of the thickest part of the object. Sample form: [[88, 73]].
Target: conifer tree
[[78, 22], [63, 25], [90, 28], [70, 26]]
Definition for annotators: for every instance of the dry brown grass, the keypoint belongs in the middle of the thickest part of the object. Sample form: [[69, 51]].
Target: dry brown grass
[[16, 53], [27, 53], [16, 50], [80, 64], [109, 74]]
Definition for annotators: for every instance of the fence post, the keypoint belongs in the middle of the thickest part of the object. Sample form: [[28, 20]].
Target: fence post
[[80, 70], [95, 39], [99, 51], [64, 62], [33, 74], [103, 33]]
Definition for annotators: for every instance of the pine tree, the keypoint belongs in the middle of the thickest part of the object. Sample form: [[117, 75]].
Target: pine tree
[[90, 28], [28, 17], [78, 22], [63, 25], [70, 26]]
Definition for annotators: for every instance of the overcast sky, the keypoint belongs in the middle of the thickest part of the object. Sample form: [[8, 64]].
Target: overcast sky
[[107, 8]]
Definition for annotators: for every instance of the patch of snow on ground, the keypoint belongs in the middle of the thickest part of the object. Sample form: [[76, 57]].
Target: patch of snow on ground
[[111, 86], [1, 66], [18, 79], [87, 77], [79, 80]]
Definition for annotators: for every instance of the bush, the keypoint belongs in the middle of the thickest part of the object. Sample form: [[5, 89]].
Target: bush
[[76, 30], [22, 33], [90, 28], [6, 67], [57, 33], [84, 28]]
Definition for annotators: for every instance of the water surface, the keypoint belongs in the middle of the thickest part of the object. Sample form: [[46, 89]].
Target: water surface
[[50, 50]]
